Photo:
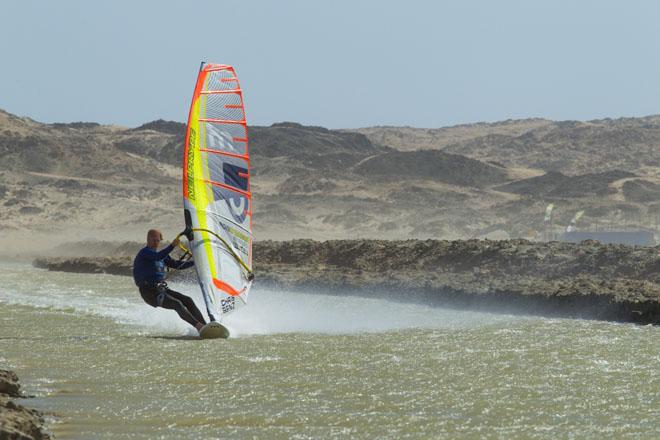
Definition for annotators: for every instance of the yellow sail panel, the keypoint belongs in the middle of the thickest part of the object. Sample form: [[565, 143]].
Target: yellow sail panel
[[216, 188]]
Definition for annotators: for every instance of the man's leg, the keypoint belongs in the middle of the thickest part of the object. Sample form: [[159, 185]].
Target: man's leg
[[189, 303], [166, 301], [149, 295]]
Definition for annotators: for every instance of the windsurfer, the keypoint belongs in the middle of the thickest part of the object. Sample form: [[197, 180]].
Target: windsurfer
[[149, 275]]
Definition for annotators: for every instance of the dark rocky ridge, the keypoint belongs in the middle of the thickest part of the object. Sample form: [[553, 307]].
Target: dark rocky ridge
[[163, 126], [434, 165], [290, 138], [557, 185], [589, 280], [641, 191]]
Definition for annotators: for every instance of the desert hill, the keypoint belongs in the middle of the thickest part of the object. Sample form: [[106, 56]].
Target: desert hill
[[557, 185], [570, 147], [85, 180], [411, 138]]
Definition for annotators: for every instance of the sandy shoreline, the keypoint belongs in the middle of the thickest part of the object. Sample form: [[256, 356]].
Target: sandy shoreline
[[586, 280]]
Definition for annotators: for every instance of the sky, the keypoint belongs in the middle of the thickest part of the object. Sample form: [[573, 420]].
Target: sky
[[337, 64]]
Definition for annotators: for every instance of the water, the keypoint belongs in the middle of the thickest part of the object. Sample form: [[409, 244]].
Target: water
[[305, 365]]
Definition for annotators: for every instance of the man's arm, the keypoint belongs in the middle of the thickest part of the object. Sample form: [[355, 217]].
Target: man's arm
[[165, 252], [152, 255], [187, 264], [170, 262]]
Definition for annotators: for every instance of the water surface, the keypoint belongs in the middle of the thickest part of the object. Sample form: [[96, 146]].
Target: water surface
[[103, 364]]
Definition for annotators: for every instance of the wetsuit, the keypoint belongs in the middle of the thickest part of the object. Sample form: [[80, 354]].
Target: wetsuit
[[149, 275]]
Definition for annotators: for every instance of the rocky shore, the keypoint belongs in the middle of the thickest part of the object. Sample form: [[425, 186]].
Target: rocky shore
[[16, 421], [586, 280]]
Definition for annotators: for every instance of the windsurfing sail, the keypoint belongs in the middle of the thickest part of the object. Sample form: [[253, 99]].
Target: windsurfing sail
[[217, 200], [571, 226], [547, 223], [548, 212]]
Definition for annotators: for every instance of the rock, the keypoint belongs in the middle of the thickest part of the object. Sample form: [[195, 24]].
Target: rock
[[16, 421], [9, 383]]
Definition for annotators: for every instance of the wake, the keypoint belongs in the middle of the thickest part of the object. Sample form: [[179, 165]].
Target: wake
[[270, 311]]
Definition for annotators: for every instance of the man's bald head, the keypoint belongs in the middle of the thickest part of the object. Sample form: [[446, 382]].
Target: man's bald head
[[154, 237]]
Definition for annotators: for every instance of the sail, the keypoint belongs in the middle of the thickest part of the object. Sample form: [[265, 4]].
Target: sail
[[216, 189], [548, 212], [571, 226]]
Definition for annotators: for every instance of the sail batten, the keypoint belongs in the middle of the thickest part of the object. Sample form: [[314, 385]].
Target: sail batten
[[220, 92], [216, 189], [229, 187], [239, 156], [221, 121]]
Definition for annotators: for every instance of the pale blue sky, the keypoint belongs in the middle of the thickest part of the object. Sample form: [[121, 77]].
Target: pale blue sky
[[335, 63]]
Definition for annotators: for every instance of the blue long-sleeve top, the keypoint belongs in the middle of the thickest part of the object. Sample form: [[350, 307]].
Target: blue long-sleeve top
[[149, 265]]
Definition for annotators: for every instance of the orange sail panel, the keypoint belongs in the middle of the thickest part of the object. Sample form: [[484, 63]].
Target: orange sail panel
[[216, 189]]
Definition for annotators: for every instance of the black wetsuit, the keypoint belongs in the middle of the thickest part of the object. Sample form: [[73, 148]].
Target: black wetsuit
[[149, 275]]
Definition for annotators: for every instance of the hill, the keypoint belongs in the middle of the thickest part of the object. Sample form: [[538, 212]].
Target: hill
[[570, 147], [85, 180]]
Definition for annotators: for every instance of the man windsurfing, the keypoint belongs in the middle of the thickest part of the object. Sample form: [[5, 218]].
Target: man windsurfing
[[149, 275]]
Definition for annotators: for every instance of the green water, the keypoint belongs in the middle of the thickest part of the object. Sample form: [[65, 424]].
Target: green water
[[102, 364]]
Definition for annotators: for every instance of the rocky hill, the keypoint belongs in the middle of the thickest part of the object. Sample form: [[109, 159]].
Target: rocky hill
[[85, 180], [557, 185], [411, 138], [570, 147]]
